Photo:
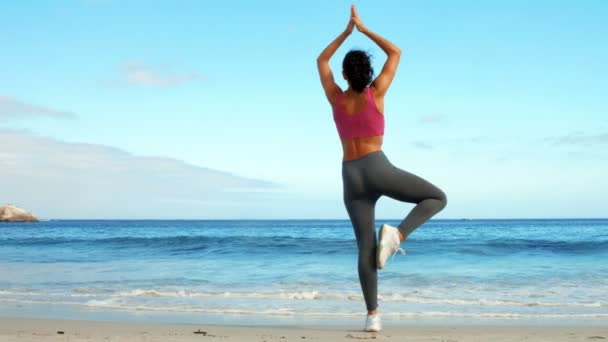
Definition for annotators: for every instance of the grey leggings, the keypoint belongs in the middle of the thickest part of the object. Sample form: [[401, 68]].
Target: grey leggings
[[366, 179]]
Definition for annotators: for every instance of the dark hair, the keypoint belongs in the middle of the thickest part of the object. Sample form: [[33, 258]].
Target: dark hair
[[358, 69]]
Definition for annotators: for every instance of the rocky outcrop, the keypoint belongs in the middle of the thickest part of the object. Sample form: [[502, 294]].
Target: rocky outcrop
[[10, 213]]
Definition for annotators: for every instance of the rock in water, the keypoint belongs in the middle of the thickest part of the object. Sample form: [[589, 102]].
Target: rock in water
[[10, 213]]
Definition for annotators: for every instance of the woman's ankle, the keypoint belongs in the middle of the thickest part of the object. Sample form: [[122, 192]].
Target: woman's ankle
[[401, 236]]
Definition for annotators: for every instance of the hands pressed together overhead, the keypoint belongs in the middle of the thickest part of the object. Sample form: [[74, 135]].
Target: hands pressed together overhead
[[381, 82], [355, 21]]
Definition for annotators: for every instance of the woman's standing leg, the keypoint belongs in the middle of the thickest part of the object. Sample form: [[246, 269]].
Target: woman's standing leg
[[361, 213]]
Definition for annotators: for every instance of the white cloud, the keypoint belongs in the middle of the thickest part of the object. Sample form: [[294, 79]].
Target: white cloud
[[422, 145], [13, 108], [579, 138], [140, 74], [431, 118], [56, 179], [481, 139]]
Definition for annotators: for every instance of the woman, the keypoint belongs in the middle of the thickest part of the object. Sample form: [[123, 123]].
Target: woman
[[367, 174]]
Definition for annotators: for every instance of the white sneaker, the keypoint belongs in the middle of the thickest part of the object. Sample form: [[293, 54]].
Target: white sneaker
[[372, 323], [388, 244]]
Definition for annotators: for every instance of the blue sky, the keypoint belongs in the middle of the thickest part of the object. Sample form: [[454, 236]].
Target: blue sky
[[201, 109]]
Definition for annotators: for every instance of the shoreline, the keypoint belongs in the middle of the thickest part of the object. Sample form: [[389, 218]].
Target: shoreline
[[35, 329], [76, 312]]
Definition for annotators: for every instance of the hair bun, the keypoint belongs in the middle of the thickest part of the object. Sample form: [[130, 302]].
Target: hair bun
[[358, 69]]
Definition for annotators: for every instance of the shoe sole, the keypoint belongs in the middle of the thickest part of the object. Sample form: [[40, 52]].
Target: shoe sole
[[382, 229]]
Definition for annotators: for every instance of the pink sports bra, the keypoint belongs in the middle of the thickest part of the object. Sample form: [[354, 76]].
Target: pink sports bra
[[367, 123]]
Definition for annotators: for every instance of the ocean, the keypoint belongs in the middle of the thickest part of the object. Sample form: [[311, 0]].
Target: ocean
[[256, 271]]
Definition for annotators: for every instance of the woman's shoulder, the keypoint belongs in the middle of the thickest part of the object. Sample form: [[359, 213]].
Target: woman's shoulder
[[372, 90], [338, 96]]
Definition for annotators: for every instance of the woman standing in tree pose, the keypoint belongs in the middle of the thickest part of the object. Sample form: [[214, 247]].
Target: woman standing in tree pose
[[367, 173]]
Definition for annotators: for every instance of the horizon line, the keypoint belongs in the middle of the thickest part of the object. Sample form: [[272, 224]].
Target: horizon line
[[316, 219]]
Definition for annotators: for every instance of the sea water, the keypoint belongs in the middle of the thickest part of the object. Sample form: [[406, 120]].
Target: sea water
[[289, 270]]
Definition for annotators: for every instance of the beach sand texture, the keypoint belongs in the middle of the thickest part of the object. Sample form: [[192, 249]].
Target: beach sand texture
[[26, 329]]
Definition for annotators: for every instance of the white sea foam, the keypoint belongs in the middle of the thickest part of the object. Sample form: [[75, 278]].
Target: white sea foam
[[304, 296], [118, 305], [316, 295]]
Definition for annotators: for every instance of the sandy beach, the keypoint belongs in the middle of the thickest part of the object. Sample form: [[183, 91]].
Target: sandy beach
[[27, 329]]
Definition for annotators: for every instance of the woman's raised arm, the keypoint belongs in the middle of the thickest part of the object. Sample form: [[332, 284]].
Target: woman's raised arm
[[327, 77]]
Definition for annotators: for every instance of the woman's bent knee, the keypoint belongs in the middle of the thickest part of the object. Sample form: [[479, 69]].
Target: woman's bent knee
[[443, 199]]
